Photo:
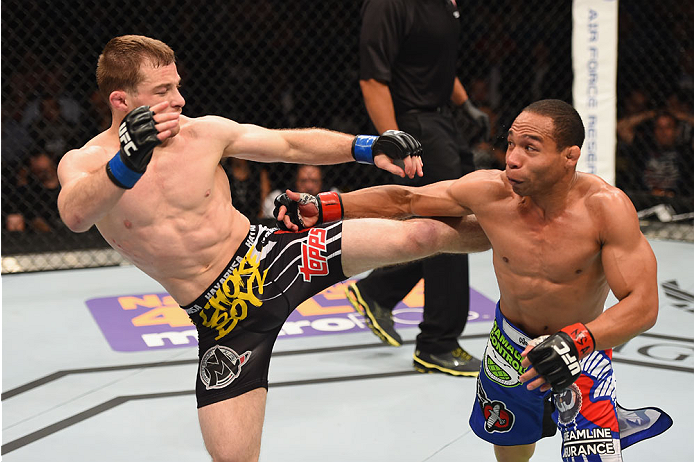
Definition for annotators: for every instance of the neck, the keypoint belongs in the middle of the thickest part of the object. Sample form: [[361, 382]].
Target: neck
[[553, 202]]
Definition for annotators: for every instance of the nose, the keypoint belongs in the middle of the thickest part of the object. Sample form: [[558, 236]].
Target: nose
[[512, 158], [178, 101]]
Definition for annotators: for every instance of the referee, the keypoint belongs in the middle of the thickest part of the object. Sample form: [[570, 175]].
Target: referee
[[408, 53]]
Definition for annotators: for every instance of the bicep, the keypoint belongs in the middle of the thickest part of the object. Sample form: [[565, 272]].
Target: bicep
[[455, 198], [77, 164], [441, 199], [627, 257], [255, 143]]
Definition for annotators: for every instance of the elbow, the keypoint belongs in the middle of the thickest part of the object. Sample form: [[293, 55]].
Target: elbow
[[650, 319], [75, 222], [404, 199], [70, 215], [650, 315]]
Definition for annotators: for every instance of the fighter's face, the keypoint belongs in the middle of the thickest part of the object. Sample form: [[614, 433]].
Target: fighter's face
[[160, 84], [533, 162]]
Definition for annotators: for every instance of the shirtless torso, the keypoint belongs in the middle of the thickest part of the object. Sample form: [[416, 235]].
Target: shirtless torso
[[187, 242], [561, 239], [548, 268], [172, 215]]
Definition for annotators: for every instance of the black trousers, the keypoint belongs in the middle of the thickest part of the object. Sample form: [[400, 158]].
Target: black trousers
[[446, 277]]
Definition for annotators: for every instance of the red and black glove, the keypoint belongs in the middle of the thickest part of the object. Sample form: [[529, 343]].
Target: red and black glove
[[328, 208], [557, 357]]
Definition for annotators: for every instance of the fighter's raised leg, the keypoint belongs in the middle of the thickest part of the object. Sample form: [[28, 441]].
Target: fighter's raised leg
[[371, 242]]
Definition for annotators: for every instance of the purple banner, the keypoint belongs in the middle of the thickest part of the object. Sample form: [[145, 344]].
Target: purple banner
[[154, 321]]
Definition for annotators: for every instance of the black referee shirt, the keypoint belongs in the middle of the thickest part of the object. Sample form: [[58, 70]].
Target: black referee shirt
[[412, 45]]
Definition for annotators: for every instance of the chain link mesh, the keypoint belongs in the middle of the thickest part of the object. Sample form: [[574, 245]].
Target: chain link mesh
[[295, 64]]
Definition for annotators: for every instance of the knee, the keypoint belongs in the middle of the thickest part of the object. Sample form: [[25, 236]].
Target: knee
[[423, 237], [521, 453], [234, 450], [428, 236], [233, 456]]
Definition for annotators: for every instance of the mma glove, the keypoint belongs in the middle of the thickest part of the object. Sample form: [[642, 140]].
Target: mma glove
[[479, 118], [138, 138], [557, 357], [328, 208], [395, 144]]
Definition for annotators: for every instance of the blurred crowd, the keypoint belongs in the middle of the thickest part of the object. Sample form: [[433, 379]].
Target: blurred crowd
[[292, 64]]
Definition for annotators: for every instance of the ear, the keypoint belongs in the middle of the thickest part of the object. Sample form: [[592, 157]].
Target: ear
[[572, 154], [118, 101]]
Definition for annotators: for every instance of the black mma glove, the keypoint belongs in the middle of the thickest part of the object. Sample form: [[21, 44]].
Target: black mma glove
[[557, 357], [328, 208], [479, 118], [395, 144], [138, 138]]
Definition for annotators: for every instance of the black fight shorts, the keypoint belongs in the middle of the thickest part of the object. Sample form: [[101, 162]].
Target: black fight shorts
[[240, 315]]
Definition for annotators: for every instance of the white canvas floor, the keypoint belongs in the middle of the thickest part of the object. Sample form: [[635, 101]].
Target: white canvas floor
[[80, 383]]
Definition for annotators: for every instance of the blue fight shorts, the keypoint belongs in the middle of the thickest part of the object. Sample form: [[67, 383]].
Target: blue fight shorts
[[507, 413]]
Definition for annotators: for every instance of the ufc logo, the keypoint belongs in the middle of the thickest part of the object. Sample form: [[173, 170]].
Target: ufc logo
[[125, 140], [571, 361]]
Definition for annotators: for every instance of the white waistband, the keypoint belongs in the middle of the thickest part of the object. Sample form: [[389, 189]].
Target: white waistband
[[514, 334]]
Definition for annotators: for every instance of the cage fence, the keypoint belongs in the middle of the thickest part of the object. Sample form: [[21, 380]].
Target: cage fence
[[295, 64]]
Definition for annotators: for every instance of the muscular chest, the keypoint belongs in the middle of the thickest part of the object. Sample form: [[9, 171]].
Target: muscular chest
[[174, 181], [558, 250]]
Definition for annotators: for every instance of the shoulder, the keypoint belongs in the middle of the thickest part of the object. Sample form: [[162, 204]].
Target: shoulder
[[87, 159], [486, 181], [480, 187], [610, 208], [211, 129], [602, 197], [94, 153], [207, 124]]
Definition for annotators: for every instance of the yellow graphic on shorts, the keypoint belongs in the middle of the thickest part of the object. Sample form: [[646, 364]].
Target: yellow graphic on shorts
[[229, 304]]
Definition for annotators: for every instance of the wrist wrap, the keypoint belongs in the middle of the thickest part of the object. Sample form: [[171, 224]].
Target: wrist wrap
[[361, 148], [331, 207], [581, 337], [120, 174]]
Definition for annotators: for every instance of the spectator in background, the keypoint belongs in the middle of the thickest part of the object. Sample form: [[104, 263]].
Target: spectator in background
[[660, 167], [33, 201], [52, 128], [246, 183], [636, 110], [307, 179], [15, 140], [52, 84], [666, 171], [679, 104]]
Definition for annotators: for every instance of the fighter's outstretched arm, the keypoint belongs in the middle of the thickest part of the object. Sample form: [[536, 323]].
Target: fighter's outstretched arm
[[317, 146], [393, 201], [451, 198]]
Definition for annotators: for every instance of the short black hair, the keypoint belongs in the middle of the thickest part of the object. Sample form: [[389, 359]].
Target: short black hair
[[568, 126]]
